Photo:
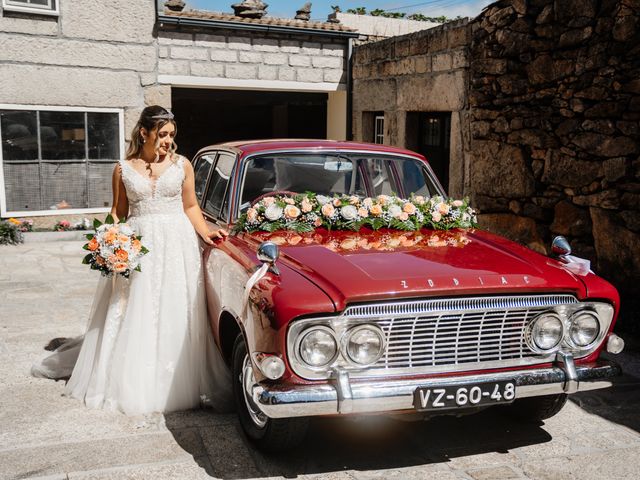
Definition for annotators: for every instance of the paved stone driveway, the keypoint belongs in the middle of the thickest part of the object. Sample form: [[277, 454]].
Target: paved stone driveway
[[45, 292]]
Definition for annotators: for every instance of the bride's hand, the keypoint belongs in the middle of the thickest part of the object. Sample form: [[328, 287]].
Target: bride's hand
[[212, 235]]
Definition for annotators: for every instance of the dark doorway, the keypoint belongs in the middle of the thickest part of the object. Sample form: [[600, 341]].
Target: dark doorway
[[429, 133], [208, 116]]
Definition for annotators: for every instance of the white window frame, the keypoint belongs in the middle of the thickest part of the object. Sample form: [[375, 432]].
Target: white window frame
[[64, 211], [52, 8], [378, 134]]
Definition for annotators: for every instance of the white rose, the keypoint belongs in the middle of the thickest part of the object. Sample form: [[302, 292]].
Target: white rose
[[349, 212], [126, 229], [273, 212], [395, 211], [322, 199]]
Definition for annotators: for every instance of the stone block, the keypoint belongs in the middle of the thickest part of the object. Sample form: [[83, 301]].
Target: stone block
[[224, 55], [608, 199], [503, 472], [290, 46], [569, 172], [310, 75], [173, 67], [163, 52], [158, 95], [69, 86], [239, 43], [207, 69], [276, 58], [59, 51], [447, 92], [458, 37], [519, 229], [334, 50], [500, 170], [147, 79], [570, 220], [374, 95], [210, 41], [189, 53], [441, 61], [311, 48], [327, 62], [459, 59], [249, 57], [614, 168], [41, 26], [175, 38], [299, 60], [118, 20], [267, 72], [286, 74], [266, 45], [334, 76], [423, 63], [241, 71], [605, 145]]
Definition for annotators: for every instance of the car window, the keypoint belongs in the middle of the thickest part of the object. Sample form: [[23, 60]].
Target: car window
[[328, 174], [215, 202], [201, 171]]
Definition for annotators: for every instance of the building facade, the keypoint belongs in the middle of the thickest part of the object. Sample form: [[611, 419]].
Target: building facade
[[75, 76]]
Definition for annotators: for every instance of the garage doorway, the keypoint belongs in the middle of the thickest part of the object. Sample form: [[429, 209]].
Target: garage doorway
[[207, 116]]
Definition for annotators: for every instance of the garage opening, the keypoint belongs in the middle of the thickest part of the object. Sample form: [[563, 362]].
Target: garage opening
[[207, 116]]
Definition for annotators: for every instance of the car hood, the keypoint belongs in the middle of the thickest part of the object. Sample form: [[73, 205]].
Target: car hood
[[366, 266]]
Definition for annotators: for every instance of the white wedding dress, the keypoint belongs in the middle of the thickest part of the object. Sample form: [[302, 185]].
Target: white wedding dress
[[148, 346]]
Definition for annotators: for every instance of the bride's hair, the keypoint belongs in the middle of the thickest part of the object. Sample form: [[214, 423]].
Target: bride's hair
[[152, 117]]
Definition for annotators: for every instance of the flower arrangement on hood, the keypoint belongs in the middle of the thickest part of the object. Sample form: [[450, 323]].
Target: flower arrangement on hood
[[306, 211]]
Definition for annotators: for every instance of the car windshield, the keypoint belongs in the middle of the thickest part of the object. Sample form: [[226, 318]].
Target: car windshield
[[330, 173]]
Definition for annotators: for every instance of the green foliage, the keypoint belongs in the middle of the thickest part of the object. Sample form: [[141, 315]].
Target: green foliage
[[379, 12], [10, 234]]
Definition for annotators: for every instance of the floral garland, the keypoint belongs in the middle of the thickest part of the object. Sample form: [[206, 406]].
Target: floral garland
[[306, 211]]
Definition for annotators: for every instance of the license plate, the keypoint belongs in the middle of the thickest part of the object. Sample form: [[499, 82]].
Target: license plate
[[459, 396]]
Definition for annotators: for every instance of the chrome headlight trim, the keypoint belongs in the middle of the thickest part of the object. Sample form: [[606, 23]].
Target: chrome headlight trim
[[307, 331], [530, 337], [347, 336], [572, 323]]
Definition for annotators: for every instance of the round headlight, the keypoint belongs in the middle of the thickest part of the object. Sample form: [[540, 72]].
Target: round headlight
[[546, 331], [364, 345], [318, 347], [585, 328]]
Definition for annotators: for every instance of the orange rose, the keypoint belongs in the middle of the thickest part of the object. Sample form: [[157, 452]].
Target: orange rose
[[110, 238], [122, 255], [120, 267], [93, 244], [123, 238], [376, 210], [409, 208], [100, 261], [136, 245]]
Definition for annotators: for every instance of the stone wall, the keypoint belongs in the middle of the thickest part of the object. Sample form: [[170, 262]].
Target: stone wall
[[257, 56], [555, 105], [422, 71], [77, 58]]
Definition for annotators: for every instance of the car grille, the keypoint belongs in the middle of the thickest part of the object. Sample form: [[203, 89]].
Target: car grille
[[452, 333]]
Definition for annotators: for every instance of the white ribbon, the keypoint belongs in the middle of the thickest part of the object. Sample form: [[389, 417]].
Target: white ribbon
[[253, 280], [576, 265]]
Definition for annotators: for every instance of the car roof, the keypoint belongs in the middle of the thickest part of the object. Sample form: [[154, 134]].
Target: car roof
[[256, 146]]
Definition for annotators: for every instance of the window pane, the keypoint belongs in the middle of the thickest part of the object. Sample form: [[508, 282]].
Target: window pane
[[19, 135], [62, 135], [215, 202], [99, 184], [104, 137], [201, 173], [64, 185], [22, 186]]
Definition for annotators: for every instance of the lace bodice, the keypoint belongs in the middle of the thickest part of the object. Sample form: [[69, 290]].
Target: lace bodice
[[147, 196]]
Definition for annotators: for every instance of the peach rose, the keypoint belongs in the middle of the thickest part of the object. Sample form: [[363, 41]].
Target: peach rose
[[336, 202], [268, 201], [291, 212], [457, 203], [409, 208], [120, 267], [436, 217], [367, 202], [93, 244], [100, 261], [328, 210], [306, 205], [123, 238], [419, 199], [289, 201], [136, 245], [110, 237], [403, 216], [443, 208], [252, 214], [317, 222], [353, 200], [383, 199], [363, 212], [376, 210]]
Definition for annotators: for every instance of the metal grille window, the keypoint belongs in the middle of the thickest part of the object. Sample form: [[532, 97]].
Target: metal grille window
[[54, 158], [378, 133], [43, 7]]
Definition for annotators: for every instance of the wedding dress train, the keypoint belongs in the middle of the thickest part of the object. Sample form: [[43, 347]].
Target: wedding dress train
[[148, 345]]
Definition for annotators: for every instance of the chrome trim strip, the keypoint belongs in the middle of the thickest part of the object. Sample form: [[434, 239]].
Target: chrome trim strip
[[390, 396]]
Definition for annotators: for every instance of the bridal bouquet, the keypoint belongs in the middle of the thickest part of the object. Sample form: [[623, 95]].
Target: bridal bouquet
[[114, 248]]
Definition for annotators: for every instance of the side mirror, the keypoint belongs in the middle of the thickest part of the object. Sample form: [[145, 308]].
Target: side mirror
[[560, 246], [268, 252]]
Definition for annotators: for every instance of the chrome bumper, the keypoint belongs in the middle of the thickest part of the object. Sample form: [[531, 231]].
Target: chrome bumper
[[345, 397]]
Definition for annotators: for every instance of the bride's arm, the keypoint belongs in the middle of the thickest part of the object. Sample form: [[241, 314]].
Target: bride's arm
[[120, 204], [192, 208]]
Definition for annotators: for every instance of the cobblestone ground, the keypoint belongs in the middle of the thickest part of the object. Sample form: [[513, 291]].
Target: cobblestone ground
[[45, 292]]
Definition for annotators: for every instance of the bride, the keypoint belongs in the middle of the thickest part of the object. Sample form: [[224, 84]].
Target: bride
[[148, 346]]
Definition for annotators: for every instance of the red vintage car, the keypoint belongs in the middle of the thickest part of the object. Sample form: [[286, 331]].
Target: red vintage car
[[422, 322]]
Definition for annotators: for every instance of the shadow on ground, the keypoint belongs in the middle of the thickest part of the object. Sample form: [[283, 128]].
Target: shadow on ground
[[364, 444]]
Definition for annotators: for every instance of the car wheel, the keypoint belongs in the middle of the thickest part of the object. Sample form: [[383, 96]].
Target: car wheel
[[269, 434], [538, 408]]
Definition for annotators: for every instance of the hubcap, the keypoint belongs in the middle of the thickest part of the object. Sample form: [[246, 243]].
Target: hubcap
[[247, 380]]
